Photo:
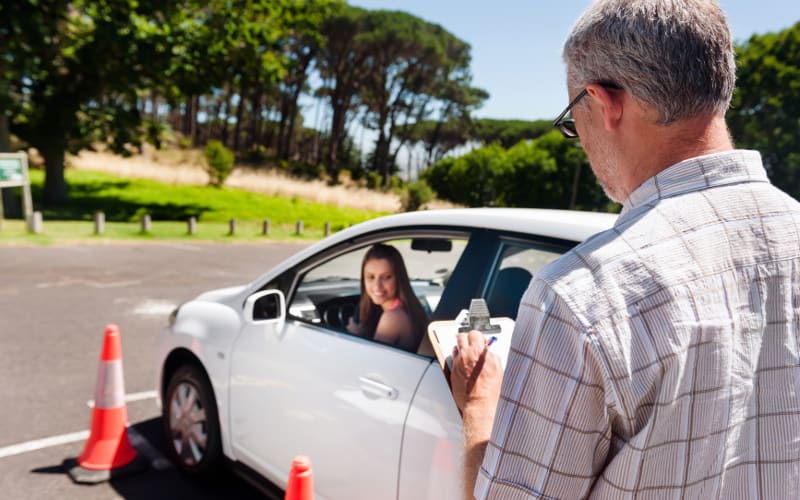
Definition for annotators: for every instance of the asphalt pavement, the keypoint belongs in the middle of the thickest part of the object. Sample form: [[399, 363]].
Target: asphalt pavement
[[55, 303]]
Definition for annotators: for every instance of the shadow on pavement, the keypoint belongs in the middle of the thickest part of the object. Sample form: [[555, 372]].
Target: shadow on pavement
[[169, 482]]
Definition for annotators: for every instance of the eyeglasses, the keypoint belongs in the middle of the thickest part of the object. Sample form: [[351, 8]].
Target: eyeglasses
[[567, 125]]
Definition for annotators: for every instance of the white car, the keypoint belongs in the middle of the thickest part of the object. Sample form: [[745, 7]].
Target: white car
[[257, 374]]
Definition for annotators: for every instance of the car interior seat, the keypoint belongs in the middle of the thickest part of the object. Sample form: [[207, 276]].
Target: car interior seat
[[506, 292]]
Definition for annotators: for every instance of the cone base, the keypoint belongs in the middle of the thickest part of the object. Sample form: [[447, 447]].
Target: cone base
[[108, 445], [107, 454], [82, 475]]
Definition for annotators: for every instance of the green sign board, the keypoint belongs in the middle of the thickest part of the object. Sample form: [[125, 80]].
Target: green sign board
[[11, 170], [14, 173]]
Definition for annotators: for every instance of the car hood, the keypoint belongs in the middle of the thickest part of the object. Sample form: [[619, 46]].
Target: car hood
[[223, 295]]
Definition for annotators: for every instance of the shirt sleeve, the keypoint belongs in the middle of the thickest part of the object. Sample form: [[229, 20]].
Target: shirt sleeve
[[551, 432]]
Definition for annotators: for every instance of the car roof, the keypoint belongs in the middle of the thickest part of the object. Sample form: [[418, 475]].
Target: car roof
[[569, 225], [563, 224]]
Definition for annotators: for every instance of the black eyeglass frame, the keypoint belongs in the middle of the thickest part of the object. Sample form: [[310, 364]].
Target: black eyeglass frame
[[567, 125]]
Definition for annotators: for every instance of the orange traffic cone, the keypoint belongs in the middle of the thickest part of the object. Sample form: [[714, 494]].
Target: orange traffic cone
[[301, 481], [108, 452]]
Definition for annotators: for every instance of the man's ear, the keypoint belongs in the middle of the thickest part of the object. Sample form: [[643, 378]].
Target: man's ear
[[611, 104]]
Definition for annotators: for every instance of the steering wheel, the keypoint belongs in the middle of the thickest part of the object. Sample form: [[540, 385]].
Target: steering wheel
[[336, 313]]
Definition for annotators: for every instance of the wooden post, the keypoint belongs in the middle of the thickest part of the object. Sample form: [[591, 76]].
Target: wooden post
[[192, 225], [35, 222], [299, 228], [265, 227], [99, 222], [232, 227], [327, 228], [147, 223]]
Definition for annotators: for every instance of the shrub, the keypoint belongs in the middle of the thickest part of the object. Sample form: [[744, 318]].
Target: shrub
[[219, 163], [257, 155], [415, 195], [374, 180], [303, 170]]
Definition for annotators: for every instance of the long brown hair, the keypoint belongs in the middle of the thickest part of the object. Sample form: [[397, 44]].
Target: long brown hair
[[370, 313]]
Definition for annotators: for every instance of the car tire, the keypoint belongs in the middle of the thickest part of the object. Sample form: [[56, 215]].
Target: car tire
[[191, 422]]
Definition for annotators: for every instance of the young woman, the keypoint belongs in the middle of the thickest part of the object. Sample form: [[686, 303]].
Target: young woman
[[389, 311]]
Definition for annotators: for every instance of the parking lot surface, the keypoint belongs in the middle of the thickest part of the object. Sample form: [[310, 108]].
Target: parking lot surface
[[55, 303]]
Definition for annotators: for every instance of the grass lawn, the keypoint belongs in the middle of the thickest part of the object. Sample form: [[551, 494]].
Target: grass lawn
[[124, 201]]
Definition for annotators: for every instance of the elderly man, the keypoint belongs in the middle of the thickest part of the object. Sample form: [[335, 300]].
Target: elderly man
[[662, 357]]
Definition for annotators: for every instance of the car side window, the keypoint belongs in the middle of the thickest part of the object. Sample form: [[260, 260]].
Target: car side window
[[328, 294], [517, 264]]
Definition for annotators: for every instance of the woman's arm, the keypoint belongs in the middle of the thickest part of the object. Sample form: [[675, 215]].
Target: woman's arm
[[395, 328]]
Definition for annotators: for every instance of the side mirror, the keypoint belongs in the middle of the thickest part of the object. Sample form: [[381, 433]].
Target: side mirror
[[267, 305]]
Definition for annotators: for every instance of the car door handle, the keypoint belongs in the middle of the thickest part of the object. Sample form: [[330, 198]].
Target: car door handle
[[378, 389]]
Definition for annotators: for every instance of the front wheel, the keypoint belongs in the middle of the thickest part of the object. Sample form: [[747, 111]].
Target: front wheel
[[191, 422]]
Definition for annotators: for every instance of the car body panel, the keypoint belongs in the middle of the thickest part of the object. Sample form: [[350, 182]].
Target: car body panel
[[207, 330], [295, 380], [432, 462]]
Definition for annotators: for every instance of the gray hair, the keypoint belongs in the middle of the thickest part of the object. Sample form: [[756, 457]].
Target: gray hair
[[675, 55]]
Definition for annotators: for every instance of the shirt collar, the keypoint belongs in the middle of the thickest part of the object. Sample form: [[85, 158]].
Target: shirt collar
[[694, 174]]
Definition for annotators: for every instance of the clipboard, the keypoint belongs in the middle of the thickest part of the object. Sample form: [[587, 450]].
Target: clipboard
[[444, 334]]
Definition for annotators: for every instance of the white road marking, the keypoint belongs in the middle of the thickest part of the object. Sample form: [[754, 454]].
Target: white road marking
[[38, 444], [139, 441], [154, 308], [136, 396], [89, 283], [180, 246]]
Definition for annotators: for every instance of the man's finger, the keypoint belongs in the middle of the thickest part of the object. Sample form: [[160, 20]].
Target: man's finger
[[462, 340]]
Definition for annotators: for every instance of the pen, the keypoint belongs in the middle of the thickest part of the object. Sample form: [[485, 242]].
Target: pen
[[492, 340]]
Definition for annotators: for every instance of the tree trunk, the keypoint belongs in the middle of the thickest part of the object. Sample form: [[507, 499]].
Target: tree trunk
[[5, 134], [292, 120], [255, 119], [193, 120], [187, 112], [239, 113], [268, 135], [434, 139], [154, 104], [336, 139], [216, 110], [380, 156], [55, 185], [226, 116], [281, 151]]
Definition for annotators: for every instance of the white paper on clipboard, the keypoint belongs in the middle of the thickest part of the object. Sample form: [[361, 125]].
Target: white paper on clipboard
[[443, 335]]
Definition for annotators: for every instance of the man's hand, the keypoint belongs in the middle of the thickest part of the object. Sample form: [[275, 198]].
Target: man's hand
[[476, 379], [477, 374]]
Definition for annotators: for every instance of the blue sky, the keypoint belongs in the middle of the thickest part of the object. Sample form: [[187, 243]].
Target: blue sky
[[516, 44]]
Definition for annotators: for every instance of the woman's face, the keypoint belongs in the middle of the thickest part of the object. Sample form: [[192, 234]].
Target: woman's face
[[380, 282]]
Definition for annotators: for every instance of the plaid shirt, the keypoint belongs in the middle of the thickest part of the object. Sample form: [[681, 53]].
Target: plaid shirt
[[661, 358]]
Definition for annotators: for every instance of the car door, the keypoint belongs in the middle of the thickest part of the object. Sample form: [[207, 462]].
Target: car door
[[301, 387]]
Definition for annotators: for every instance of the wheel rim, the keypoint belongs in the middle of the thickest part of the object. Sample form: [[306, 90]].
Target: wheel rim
[[188, 424]]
